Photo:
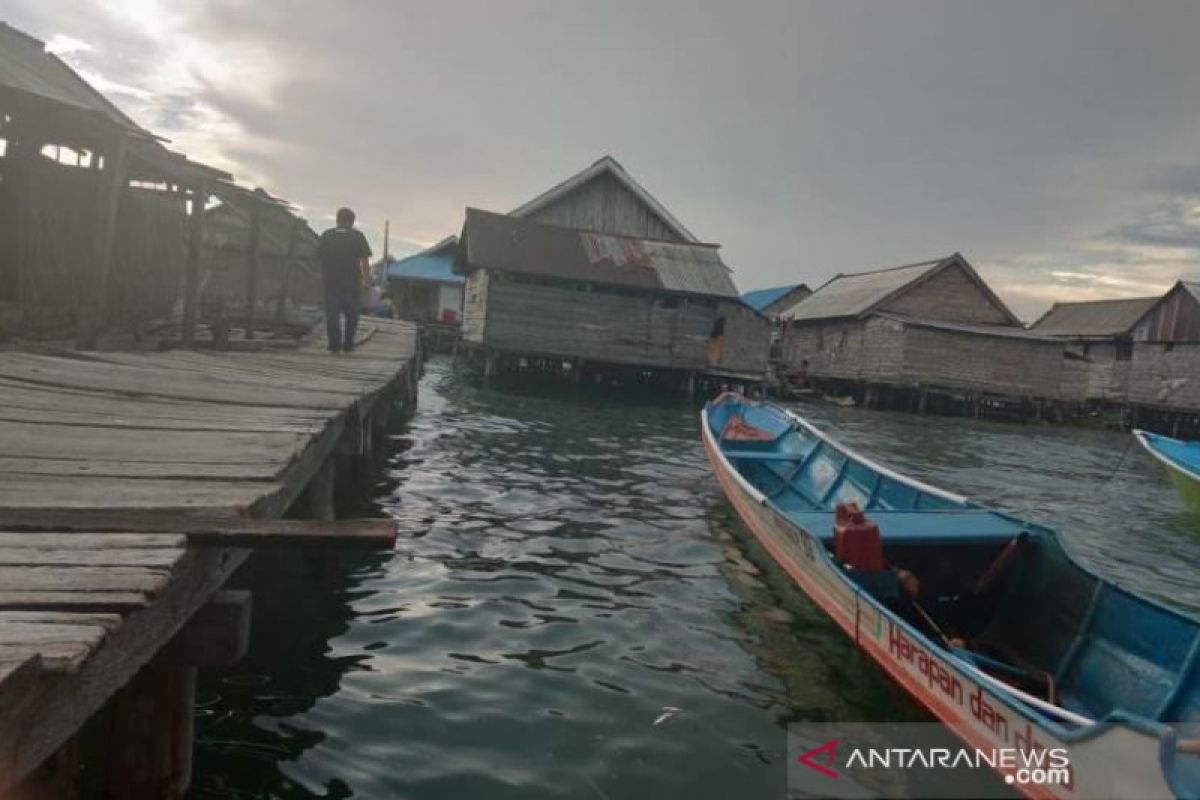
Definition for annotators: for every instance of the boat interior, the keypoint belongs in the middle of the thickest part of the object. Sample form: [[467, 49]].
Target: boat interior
[[1002, 594]]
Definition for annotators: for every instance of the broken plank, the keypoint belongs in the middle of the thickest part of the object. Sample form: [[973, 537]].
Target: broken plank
[[54, 656]]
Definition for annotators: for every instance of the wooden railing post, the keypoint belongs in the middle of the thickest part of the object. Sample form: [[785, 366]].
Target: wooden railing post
[[191, 272], [114, 186], [289, 264]]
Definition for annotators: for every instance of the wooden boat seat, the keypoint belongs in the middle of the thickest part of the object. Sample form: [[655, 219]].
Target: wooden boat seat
[[965, 526]]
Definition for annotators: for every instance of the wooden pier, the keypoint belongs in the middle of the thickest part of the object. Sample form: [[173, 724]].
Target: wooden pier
[[132, 485]]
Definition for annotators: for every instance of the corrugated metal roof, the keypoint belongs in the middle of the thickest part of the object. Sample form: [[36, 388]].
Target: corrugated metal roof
[[433, 264], [761, 298], [1100, 318], [27, 67], [605, 164], [513, 244], [851, 295]]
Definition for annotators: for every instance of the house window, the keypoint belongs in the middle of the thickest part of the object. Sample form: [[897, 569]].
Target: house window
[[718, 328], [1124, 351]]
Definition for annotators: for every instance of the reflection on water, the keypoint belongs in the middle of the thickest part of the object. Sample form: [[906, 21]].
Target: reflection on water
[[572, 610]]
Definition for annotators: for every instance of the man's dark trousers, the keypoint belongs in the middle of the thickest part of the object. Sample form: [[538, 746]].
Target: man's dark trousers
[[341, 303]]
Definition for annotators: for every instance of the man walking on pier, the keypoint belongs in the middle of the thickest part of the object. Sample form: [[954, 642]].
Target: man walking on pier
[[343, 253]]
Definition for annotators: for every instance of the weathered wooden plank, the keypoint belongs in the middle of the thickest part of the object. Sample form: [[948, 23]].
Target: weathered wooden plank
[[107, 621], [174, 496], [171, 447], [200, 530], [62, 467], [38, 633], [241, 369], [37, 403], [61, 704], [83, 579], [54, 656], [85, 556], [122, 541], [97, 601], [146, 382]]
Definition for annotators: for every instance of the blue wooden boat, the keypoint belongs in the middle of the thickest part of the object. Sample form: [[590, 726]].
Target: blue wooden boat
[[1181, 460], [983, 617]]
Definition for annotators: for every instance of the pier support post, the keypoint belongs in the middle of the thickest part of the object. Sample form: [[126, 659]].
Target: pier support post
[[922, 400], [150, 735], [316, 501]]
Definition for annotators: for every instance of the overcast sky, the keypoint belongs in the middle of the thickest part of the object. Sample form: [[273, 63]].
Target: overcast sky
[[1056, 145]]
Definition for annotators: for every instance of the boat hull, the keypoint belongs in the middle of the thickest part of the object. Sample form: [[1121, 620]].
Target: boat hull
[[1186, 482], [1110, 761]]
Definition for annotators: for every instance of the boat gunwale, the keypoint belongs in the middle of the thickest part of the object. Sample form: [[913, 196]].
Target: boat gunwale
[[1143, 439], [1164, 732]]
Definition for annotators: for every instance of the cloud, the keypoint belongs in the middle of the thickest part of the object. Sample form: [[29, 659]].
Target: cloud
[[1053, 144]]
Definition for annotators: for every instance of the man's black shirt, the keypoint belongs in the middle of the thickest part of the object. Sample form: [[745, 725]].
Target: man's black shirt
[[339, 252]]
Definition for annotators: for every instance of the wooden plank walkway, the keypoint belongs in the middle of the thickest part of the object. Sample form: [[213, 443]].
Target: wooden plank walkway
[[215, 435]]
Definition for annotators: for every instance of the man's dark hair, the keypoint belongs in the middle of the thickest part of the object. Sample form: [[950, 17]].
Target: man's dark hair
[[345, 218]]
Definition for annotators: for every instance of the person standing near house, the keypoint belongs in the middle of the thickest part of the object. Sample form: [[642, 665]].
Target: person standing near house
[[344, 255]]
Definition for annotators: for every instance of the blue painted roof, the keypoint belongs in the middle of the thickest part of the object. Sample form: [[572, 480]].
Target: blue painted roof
[[761, 298], [429, 265]]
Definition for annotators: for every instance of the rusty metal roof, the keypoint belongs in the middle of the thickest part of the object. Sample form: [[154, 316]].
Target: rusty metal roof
[[1094, 318], [513, 244]]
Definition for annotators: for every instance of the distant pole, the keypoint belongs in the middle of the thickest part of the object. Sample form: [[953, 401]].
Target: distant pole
[[386, 230], [252, 266]]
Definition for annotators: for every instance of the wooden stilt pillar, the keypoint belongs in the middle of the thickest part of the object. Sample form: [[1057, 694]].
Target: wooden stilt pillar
[[289, 264], [922, 400], [57, 778], [115, 182], [191, 272], [316, 501], [150, 735], [252, 258]]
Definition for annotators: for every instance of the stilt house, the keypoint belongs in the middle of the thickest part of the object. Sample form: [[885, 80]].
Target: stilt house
[[1100, 334], [935, 327], [597, 271], [425, 287]]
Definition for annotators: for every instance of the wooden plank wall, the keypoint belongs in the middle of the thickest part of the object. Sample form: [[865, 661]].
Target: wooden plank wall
[[868, 351], [747, 340], [625, 328], [603, 204], [949, 296], [879, 350], [475, 306], [1165, 375], [1008, 366]]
